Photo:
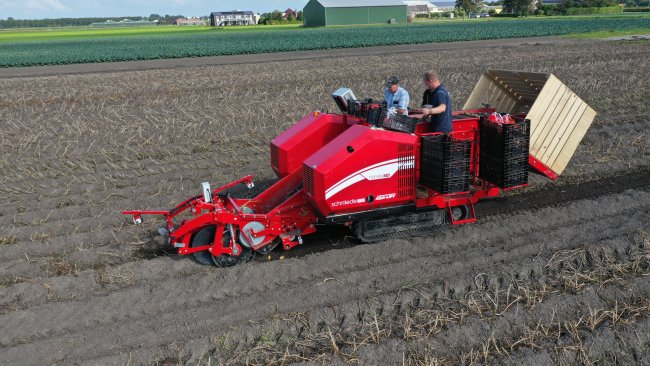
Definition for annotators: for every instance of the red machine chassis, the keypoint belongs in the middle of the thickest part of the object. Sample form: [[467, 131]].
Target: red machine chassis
[[286, 213]]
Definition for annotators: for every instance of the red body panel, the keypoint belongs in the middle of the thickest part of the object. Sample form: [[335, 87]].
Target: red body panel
[[293, 146], [362, 169]]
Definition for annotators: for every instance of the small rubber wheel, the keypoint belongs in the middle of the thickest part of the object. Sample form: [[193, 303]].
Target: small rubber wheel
[[204, 236], [460, 212]]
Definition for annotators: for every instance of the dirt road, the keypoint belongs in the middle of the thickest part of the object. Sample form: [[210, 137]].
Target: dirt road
[[553, 274]]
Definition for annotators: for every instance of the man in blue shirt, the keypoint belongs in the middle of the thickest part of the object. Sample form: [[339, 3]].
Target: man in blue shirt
[[396, 96], [437, 103]]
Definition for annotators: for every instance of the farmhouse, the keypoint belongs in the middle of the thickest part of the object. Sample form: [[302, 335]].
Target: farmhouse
[[318, 13], [289, 12], [235, 17], [189, 21]]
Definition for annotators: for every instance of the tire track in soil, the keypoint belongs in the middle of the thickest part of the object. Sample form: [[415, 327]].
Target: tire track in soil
[[104, 236], [142, 168], [81, 219], [62, 192], [386, 303], [494, 209], [134, 184], [476, 334], [612, 253], [626, 344], [153, 271], [130, 184], [521, 245], [618, 248], [497, 209], [202, 162]]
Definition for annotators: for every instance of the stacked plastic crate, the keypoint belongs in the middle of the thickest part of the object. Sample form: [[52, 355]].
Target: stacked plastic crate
[[401, 123], [504, 150], [376, 115], [444, 163], [372, 111], [355, 108], [359, 108]]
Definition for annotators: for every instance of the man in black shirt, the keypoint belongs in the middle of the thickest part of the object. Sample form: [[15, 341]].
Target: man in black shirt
[[436, 103]]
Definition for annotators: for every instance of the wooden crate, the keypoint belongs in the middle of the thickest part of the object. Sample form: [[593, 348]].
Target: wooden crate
[[559, 119]]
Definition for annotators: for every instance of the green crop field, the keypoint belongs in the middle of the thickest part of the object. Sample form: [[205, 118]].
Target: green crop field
[[52, 34], [609, 33], [55, 34], [124, 45]]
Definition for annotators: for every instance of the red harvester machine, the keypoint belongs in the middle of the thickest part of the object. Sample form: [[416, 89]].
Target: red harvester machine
[[381, 177]]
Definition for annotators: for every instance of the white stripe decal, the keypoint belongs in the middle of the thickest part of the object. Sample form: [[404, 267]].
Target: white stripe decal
[[383, 170], [340, 187], [361, 171]]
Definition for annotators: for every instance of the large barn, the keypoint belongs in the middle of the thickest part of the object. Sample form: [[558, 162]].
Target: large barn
[[319, 13]]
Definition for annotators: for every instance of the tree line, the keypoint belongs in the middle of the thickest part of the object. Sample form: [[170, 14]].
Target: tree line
[[61, 22], [80, 22], [276, 17], [524, 7]]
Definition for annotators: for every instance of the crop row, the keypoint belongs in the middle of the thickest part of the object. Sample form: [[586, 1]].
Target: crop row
[[149, 47]]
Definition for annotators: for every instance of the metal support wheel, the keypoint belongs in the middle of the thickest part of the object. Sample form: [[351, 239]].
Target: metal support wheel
[[459, 213], [205, 236]]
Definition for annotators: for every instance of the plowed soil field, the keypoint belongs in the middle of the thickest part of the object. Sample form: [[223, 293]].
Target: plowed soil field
[[556, 273]]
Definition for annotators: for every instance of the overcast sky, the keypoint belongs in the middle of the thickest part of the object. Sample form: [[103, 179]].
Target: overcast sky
[[39, 9]]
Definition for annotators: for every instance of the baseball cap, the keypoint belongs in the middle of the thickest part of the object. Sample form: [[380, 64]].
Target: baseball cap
[[393, 80]]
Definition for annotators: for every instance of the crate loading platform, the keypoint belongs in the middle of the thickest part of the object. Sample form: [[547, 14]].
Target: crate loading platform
[[558, 118]]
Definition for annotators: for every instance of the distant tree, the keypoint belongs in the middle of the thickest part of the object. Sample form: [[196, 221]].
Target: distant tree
[[300, 15], [290, 17], [469, 6], [597, 3], [276, 15], [518, 7], [543, 9], [566, 4], [265, 18], [153, 17]]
